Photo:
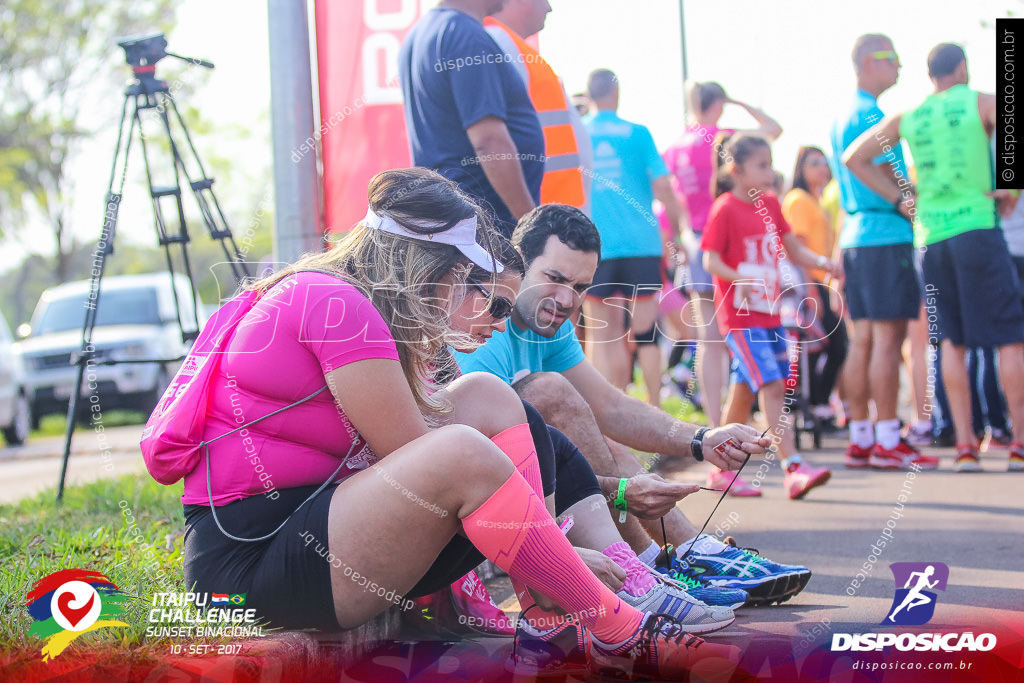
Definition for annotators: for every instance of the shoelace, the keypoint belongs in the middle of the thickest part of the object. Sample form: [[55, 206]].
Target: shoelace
[[752, 553]]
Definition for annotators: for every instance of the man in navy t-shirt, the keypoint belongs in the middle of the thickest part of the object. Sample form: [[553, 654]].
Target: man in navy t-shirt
[[467, 111]]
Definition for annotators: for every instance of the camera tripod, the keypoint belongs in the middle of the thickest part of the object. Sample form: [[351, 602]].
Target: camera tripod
[[150, 96]]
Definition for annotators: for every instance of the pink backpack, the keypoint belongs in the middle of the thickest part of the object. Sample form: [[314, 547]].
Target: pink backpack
[[173, 436]]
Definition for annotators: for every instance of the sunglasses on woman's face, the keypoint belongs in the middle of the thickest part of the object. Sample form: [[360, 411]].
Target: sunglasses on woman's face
[[500, 307]]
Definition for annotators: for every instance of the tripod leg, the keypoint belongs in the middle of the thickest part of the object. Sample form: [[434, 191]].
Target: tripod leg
[[104, 248], [209, 207]]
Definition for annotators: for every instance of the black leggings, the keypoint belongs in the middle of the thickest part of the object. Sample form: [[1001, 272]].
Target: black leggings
[[825, 365]]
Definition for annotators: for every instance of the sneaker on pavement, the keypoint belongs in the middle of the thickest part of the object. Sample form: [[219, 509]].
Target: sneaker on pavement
[[554, 652], [857, 458], [729, 566], [672, 601], [900, 458], [801, 478], [660, 650], [967, 459], [716, 596], [719, 479], [995, 438], [919, 434], [1016, 463]]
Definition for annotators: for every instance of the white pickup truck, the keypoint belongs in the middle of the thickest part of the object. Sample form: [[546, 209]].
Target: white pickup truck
[[135, 319]]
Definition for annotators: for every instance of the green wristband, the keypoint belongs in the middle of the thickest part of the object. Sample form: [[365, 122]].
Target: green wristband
[[620, 500]]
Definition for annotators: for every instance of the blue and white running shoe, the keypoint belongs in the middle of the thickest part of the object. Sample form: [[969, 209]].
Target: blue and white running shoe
[[717, 596], [729, 566]]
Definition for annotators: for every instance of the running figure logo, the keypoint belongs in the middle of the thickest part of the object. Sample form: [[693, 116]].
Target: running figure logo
[[914, 603]]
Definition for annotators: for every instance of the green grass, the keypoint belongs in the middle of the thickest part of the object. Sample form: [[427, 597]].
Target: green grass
[[89, 531]]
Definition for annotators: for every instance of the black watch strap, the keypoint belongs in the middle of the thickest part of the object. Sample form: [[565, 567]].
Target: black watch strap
[[697, 444]]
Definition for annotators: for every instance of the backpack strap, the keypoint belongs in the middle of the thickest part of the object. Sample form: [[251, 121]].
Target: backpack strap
[[209, 490]]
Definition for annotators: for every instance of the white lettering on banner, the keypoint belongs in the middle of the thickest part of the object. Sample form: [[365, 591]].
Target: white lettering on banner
[[379, 53], [377, 20], [381, 50]]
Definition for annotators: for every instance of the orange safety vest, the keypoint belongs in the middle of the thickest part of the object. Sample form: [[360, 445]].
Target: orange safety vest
[[563, 177]]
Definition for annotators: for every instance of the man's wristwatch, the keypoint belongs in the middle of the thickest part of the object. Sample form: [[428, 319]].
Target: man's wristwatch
[[697, 444]]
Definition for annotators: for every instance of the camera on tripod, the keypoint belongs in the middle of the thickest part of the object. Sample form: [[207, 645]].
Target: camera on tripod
[[144, 50]]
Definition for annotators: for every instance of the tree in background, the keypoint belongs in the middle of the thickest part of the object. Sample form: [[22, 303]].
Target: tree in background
[[56, 56]]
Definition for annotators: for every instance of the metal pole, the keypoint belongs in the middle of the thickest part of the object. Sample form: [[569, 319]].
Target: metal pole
[[682, 52], [297, 216]]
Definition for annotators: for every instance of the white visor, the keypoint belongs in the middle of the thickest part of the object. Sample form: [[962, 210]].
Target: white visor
[[462, 236]]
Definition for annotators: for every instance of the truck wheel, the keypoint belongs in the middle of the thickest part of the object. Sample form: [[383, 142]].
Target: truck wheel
[[21, 424]]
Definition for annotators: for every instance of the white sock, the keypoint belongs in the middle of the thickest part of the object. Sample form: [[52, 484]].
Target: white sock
[[861, 434], [650, 556], [794, 459], [887, 433], [708, 545]]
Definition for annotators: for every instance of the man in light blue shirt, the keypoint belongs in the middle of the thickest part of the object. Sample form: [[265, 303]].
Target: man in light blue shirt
[[628, 175], [538, 352], [881, 288]]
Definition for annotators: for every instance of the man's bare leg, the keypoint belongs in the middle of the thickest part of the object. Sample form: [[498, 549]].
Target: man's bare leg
[[563, 408]]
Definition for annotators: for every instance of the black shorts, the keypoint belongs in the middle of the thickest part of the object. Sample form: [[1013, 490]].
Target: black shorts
[[972, 287], [881, 283], [627, 277]]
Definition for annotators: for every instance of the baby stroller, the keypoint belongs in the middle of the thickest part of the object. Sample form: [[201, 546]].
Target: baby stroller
[[800, 308]]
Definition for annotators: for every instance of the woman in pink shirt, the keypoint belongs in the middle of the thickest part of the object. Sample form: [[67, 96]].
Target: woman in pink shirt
[[372, 486]]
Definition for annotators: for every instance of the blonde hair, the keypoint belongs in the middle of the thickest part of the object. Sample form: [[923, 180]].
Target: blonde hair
[[400, 276]]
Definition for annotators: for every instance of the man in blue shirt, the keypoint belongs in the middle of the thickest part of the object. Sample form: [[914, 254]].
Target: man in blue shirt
[[468, 113], [628, 174], [539, 353], [881, 288]]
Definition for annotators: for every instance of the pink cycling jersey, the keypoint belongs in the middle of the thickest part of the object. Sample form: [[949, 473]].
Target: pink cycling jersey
[[303, 328]]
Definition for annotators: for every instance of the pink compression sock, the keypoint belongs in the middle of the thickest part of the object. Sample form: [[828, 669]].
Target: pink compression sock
[[514, 530], [517, 443]]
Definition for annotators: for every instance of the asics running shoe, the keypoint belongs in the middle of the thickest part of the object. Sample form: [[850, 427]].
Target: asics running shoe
[[764, 581], [717, 596]]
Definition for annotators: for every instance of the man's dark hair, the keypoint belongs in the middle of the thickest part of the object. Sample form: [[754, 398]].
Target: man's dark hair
[[944, 59], [601, 83], [570, 225]]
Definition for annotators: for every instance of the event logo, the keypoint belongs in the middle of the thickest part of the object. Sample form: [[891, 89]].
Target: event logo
[[71, 602], [914, 603]]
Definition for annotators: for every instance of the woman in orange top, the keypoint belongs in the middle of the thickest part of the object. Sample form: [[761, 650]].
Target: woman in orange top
[[803, 211]]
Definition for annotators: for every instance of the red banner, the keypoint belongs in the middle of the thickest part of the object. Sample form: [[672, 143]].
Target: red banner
[[362, 125]]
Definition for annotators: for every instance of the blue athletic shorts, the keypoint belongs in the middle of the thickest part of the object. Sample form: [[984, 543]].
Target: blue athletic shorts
[[759, 355], [881, 283], [972, 288]]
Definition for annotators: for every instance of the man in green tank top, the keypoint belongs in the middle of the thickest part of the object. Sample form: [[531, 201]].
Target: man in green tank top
[[971, 287]]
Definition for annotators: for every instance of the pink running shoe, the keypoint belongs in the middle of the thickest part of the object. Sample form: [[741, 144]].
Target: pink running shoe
[[801, 478], [719, 479]]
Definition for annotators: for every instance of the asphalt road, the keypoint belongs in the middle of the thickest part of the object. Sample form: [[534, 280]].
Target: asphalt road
[[974, 523], [28, 469]]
